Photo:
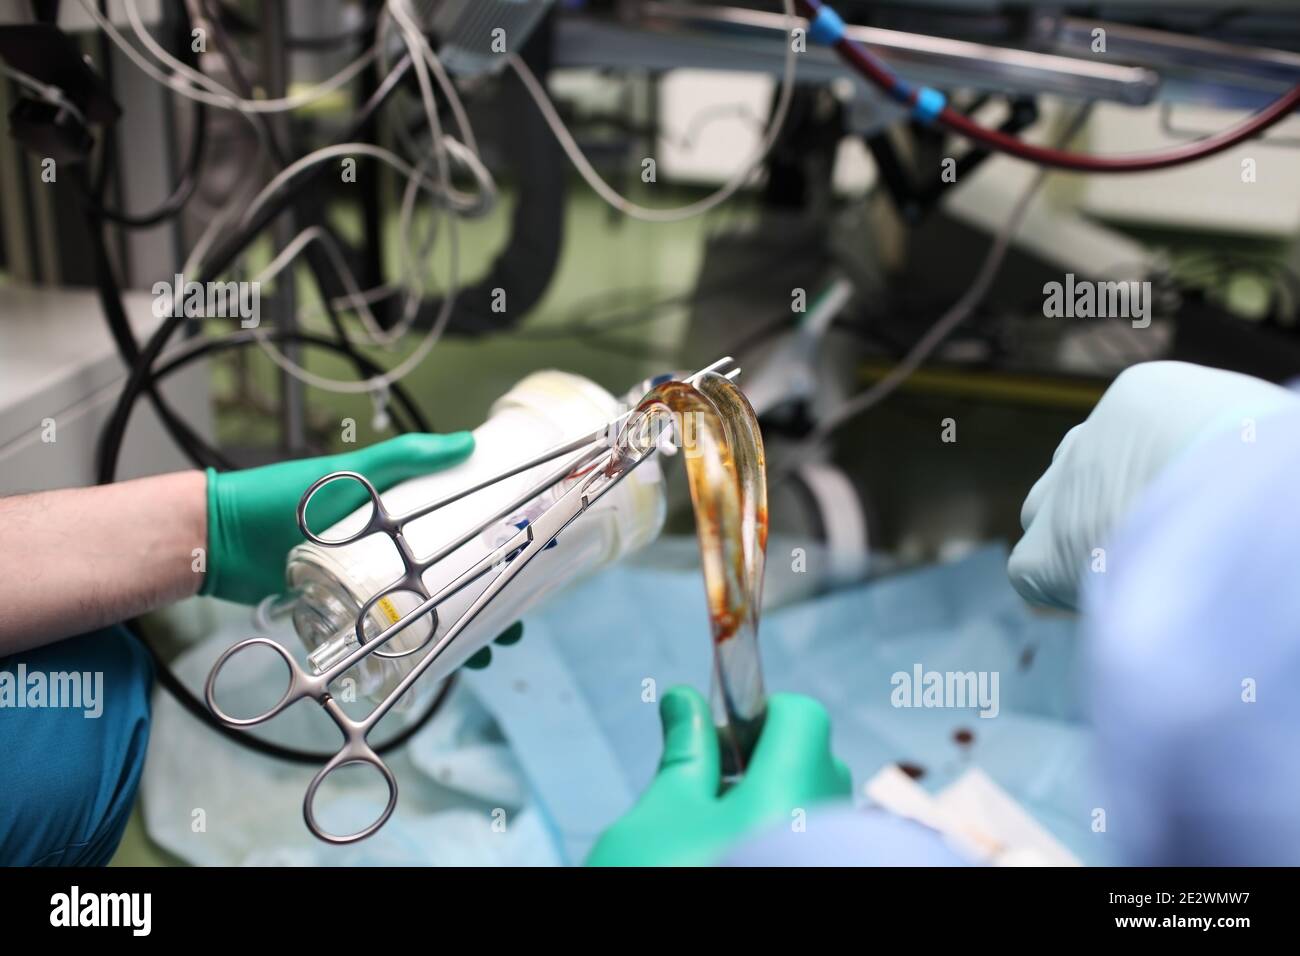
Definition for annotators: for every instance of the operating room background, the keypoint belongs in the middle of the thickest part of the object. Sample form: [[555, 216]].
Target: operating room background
[[630, 299], [927, 499]]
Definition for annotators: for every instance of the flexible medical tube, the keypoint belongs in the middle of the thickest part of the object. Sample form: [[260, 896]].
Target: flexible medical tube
[[928, 105], [718, 436]]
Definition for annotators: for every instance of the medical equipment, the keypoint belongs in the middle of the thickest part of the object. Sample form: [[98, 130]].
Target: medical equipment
[[328, 585], [474, 32], [724, 461], [726, 468], [928, 105]]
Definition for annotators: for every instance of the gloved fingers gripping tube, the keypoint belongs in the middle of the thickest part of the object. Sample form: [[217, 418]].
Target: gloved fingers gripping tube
[[718, 436]]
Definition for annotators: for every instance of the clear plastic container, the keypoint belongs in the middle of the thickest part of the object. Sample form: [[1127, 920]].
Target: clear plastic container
[[329, 585]]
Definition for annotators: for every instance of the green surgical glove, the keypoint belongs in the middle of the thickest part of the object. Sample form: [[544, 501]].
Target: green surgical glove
[[683, 820], [252, 514]]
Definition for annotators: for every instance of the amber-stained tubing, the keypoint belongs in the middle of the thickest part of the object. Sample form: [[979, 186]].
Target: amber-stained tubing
[[738, 674], [723, 451]]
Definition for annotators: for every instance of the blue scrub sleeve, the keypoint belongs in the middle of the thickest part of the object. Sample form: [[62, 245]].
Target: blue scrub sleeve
[[69, 773], [1193, 631], [843, 836]]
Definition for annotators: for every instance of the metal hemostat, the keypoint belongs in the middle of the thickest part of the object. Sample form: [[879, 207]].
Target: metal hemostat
[[598, 461]]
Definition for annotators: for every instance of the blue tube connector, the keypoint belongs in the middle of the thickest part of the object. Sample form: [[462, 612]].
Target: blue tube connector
[[827, 27], [929, 104]]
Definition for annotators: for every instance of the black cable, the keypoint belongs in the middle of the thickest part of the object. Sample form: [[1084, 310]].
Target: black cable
[[185, 187], [226, 47], [142, 378], [247, 337], [106, 68], [110, 294], [221, 258], [110, 299], [527, 263], [113, 434], [316, 258]]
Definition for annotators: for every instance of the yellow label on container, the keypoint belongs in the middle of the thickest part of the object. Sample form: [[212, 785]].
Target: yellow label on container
[[390, 612]]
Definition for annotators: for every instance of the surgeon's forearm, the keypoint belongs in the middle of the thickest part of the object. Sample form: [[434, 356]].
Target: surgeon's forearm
[[75, 560]]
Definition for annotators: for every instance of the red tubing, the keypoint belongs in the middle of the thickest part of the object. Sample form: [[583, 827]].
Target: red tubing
[[856, 55]]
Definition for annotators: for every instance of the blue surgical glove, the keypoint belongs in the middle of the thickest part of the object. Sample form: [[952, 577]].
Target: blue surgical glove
[[1151, 415], [1193, 660]]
